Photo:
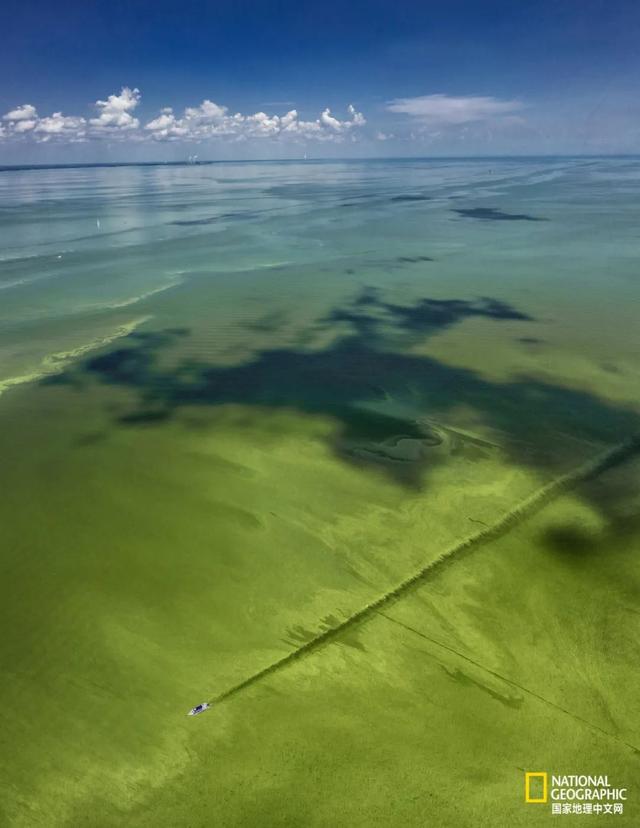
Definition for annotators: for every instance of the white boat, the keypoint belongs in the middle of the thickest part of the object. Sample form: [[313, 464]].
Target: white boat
[[200, 708]]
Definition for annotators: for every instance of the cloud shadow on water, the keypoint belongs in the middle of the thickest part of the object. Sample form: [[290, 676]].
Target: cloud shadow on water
[[351, 380], [494, 214]]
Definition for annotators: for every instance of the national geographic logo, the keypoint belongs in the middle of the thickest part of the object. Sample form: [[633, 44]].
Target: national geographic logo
[[540, 787], [574, 793]]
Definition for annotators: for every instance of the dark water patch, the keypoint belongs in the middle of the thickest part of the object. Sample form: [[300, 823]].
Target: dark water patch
[[132, 365], [367, 296], [615, 498], [361, 368], [333, 381], [368, 315], [497, 309], [145, 418], [239, 215], [364, 324], [194, 222], [161, 337], [67, 378], [243, 215], [610, 368], [400, 449], [362, 425], [378, 391], [428, 315], [409, 198], [126, 366], [494, 214], [571, 541]]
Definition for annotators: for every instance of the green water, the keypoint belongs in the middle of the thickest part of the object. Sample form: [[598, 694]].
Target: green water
[[243, 401]]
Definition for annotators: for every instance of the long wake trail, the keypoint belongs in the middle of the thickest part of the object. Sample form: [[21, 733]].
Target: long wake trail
[[523, 510]]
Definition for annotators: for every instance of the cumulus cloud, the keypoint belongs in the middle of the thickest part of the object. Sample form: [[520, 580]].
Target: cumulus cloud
[[327, 119], [26, 112], [116, 118], [445, 110], [210, 120], [115, 112], [357, 118], [23, 125], [69, 126], [165, 127], [25, 120], [207, 113]]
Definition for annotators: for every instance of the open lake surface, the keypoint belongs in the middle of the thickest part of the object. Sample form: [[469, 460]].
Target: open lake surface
[[239, 402]]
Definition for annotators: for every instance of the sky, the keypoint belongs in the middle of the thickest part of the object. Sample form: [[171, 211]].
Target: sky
[[108, 80]]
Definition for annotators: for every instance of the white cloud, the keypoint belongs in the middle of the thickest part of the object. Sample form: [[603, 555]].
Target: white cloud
[[207, 113], [210, 120], [357, 118], [165, 127], [58, 124], [26, 112], [116, 119], [445, 110], [115, 112], [327, 119], [23, 126]]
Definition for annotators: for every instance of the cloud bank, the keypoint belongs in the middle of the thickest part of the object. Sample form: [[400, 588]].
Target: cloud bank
[[445, 110], [115, 120]]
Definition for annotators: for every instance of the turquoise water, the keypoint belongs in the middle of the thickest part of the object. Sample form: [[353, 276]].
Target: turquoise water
[[88, 250], [238, 402]]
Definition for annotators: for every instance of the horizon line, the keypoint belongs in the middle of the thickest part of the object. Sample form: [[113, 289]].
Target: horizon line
[[208, 162]]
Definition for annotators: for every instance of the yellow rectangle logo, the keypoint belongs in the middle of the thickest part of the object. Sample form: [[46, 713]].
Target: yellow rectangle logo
[[527, 786]]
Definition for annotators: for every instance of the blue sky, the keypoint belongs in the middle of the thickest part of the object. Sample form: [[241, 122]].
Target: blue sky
[[258, 79]]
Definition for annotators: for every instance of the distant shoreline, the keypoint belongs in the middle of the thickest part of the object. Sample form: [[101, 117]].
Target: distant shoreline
[[399, 159]]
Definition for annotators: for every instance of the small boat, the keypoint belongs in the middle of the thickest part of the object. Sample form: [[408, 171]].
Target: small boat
[[200, 708]]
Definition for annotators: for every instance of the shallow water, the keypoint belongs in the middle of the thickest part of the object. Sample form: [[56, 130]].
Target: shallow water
[[243, 400]]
